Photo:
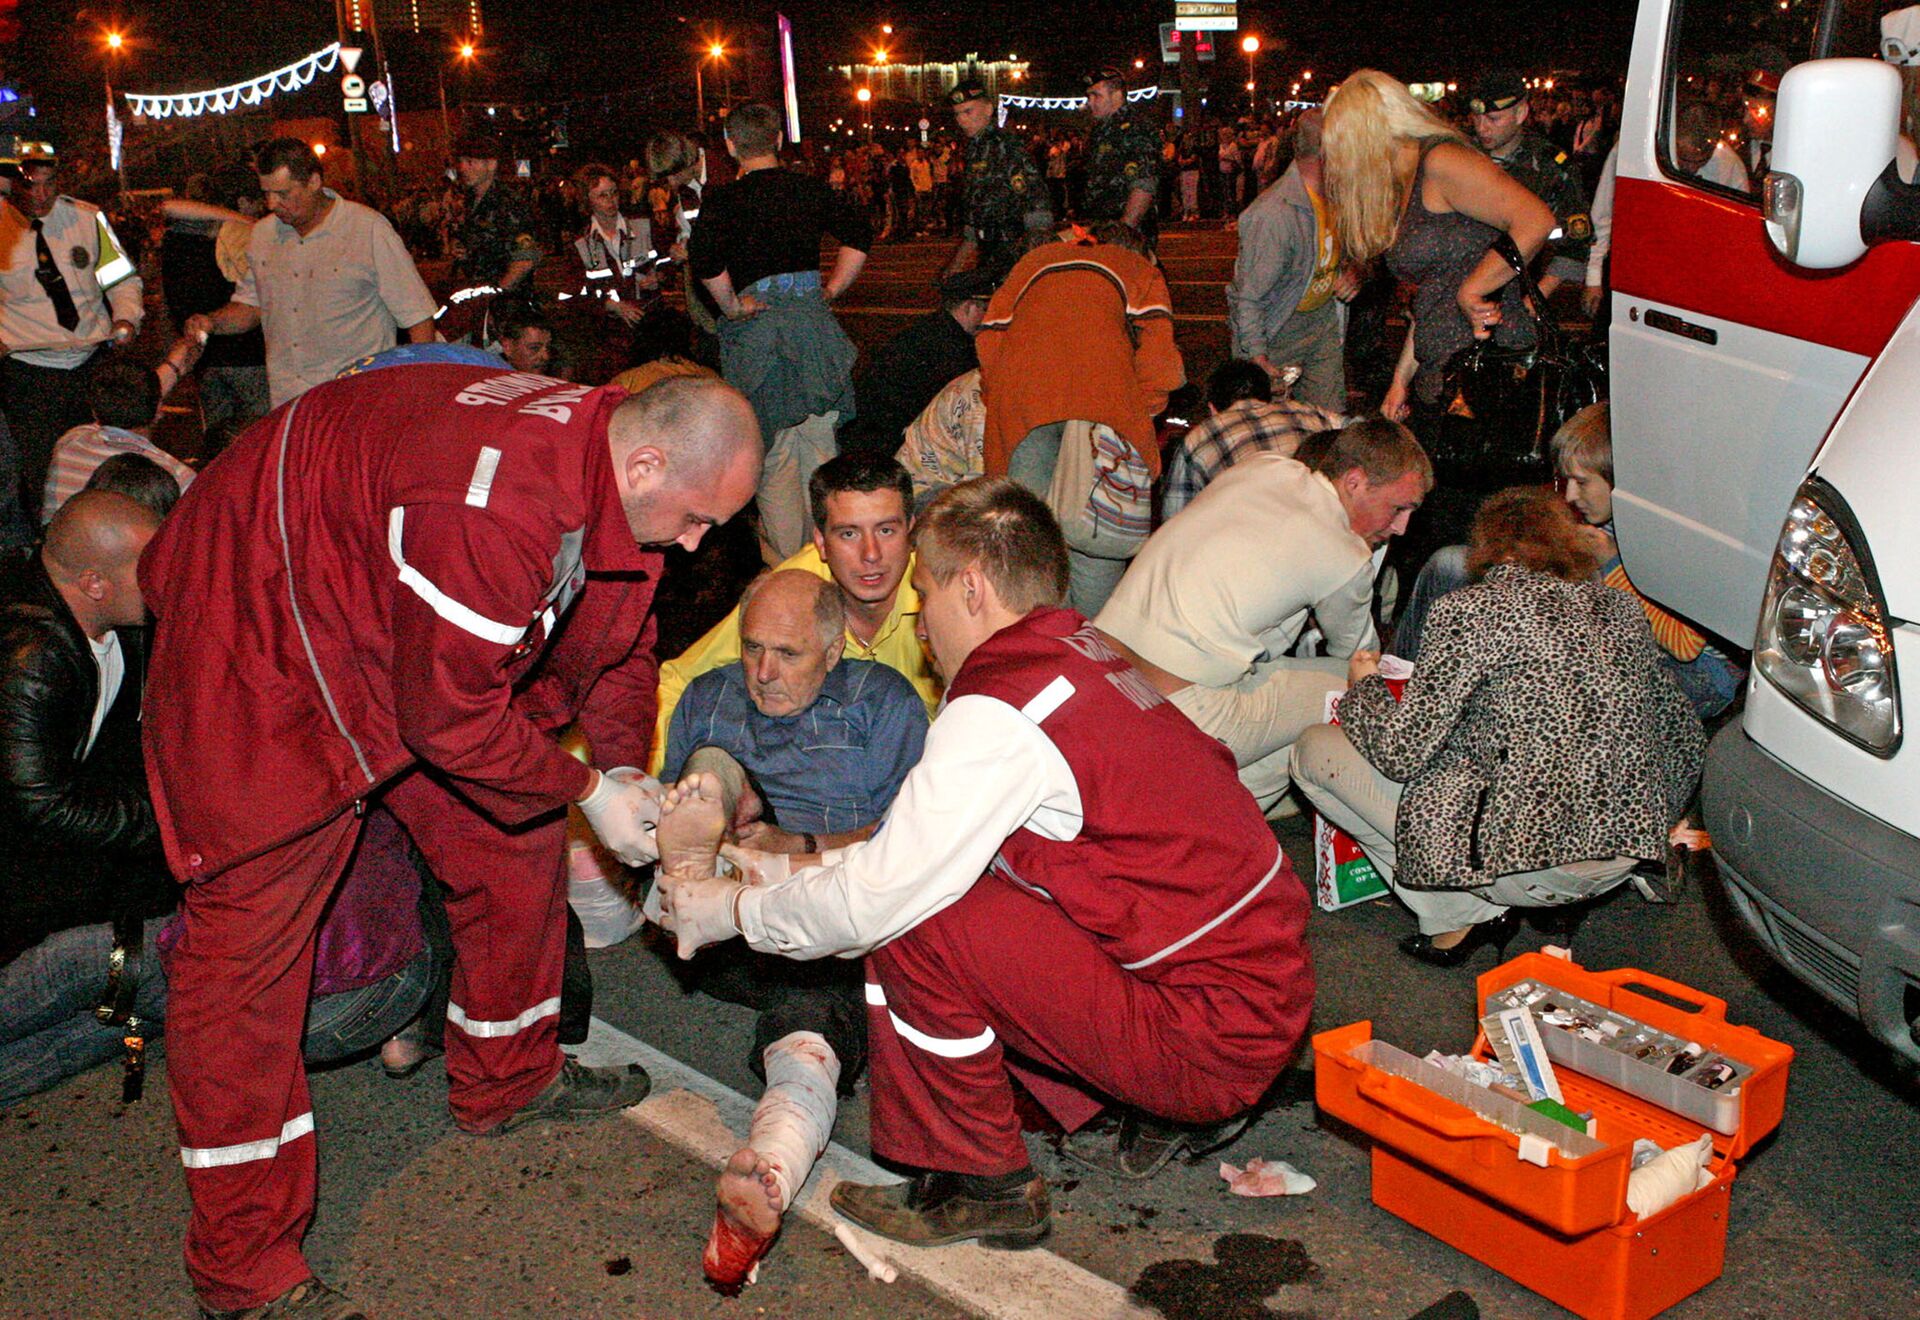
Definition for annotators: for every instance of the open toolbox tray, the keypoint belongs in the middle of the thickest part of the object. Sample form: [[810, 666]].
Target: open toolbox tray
[[1553, 1215]]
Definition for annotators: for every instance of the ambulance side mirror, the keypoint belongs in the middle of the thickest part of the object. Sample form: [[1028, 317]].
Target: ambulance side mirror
[[1836, 125]]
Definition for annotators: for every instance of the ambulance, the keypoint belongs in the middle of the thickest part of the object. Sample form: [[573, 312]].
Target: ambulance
[[1765, 350]]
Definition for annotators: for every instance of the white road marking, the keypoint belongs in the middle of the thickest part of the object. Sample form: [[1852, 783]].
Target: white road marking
[[699, 1115]]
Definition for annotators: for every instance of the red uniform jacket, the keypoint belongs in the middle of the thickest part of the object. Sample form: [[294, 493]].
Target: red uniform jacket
[[1174, 871], [369, 578]]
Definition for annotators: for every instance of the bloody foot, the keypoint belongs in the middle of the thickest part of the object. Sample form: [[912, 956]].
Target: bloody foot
[[745, 1223]]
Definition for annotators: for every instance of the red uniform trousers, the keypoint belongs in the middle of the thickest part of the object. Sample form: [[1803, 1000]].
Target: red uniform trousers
[[238, 985], [1003, 970]]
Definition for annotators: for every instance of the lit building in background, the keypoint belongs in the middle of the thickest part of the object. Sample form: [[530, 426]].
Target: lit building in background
[[453, 18], [928, 83]]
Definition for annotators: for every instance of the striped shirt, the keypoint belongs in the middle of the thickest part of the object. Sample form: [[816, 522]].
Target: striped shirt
[[1243, 429], [85, 448]]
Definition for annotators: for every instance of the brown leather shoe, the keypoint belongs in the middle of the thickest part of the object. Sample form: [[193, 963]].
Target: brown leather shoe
[[938, 1209], [308, 1299]]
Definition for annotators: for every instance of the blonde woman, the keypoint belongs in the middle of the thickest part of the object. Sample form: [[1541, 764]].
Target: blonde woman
[[1406, 186]]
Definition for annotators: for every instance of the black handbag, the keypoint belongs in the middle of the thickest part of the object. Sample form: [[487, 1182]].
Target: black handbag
[[1516, 398]]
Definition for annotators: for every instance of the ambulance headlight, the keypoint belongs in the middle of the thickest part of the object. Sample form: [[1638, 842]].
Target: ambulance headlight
[[1825, 639]]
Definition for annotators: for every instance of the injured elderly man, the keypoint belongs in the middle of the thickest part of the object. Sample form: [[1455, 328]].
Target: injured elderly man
[[805, 751], [1071, 887]]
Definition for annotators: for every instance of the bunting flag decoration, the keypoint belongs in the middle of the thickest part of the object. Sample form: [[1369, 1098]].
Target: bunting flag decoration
[[1010, 102], [220, 100]]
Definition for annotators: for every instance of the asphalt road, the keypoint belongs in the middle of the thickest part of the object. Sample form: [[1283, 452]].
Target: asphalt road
[[608, 1220]]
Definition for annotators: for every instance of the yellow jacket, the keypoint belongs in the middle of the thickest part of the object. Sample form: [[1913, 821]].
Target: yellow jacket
[[895, 645]]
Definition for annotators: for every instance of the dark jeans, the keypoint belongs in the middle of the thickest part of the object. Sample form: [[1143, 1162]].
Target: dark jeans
[[824, 995], [42, 404], [231, 400], [48, 1032]]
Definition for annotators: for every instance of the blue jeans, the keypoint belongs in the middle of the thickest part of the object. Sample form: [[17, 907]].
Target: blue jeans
[[47, 995], [1091, 575]]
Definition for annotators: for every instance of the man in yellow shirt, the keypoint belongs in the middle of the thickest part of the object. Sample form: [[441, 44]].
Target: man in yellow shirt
[[863, 512]]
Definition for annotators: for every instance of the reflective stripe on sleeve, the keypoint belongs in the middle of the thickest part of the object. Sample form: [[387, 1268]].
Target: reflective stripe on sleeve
[[215, 1157], [457, 1015], [442, 604], [946, 1049]]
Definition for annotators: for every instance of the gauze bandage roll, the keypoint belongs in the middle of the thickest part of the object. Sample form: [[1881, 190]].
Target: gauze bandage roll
[[1677, 1173]]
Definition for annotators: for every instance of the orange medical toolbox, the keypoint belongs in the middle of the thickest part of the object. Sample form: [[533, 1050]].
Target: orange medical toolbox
[[1555, 1222]]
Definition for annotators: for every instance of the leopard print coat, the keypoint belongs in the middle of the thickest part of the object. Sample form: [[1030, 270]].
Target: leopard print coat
[[1539, 729]]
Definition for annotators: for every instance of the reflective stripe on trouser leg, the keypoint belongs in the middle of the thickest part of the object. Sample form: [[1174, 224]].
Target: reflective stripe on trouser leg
[[949, 1107], [946, 1049], [238, 982], [507, 907]]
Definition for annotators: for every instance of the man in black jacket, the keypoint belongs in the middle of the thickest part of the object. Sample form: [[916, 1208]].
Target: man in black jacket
[[83, 848], [902, 377]]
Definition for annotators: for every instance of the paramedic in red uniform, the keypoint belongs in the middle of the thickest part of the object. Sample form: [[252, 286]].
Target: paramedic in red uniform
[[1071, 877], [360, 597]]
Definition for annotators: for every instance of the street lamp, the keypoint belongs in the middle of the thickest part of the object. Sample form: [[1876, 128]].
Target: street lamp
[[717, 52], [864, 96], [1251, 45], [466, 51], [114, 43]]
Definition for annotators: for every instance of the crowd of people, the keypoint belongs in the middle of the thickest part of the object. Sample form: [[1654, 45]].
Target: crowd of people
[[974, 787]]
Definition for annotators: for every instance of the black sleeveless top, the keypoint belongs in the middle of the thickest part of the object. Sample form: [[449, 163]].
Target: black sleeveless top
[[1435, 252]]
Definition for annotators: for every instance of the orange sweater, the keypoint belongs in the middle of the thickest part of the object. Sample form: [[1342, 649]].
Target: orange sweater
[[1079, 332]]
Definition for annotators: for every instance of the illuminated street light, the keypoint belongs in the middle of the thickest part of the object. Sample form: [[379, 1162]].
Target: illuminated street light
[[319, 148], [879, 57], [1139, 63], [1307, 76], [466, 50], [887, 29], [1251, 45], [717, 52], [863, 96], [115, 41]]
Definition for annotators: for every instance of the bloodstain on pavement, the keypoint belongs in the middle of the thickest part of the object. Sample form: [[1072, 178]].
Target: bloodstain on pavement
[[1249, 1268]]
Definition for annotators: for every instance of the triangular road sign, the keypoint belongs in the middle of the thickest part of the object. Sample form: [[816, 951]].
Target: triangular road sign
[[350, 57]]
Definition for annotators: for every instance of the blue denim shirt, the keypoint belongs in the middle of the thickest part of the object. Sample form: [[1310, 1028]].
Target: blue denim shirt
[[834, 766]]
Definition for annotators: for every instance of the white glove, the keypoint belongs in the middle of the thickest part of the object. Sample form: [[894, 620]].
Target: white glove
[[698, 912], [756, 867], [623, 809]]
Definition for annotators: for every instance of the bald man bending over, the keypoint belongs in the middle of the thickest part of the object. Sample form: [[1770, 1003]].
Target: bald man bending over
[[74, 799], [365, 597]]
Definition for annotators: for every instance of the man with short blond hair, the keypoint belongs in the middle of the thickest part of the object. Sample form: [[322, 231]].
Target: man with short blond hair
[[1216, 639]]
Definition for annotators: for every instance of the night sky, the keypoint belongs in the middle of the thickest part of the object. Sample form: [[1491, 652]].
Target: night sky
[[550, 48]]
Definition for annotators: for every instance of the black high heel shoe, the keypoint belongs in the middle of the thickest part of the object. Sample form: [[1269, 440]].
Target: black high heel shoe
[[1496, 932]]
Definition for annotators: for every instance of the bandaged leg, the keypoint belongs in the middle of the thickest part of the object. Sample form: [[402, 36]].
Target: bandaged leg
[[790, 1128]]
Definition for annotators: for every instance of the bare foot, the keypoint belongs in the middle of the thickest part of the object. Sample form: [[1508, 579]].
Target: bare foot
[[750, 1194], [693, 818], [745, 1224]]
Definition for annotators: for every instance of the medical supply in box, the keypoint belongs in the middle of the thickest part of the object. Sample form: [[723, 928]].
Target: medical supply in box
[[1342, 874], [1653, 1063]]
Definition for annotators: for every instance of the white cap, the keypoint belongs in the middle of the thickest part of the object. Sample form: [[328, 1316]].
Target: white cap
[[1900, 36]]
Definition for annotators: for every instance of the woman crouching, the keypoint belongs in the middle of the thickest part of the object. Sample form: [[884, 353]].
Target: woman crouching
[[1539, 751]]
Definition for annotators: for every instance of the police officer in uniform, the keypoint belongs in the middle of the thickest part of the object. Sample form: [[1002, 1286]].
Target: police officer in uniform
[[1006, 195], [497, 247], [1499, 107], [1123, 157]]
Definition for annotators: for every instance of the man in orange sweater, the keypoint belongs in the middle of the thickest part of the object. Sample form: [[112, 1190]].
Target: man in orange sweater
[[1078, 344]]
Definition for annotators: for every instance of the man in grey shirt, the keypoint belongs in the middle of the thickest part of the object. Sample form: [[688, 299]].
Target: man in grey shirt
[[328, 279], [1286, 302]]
